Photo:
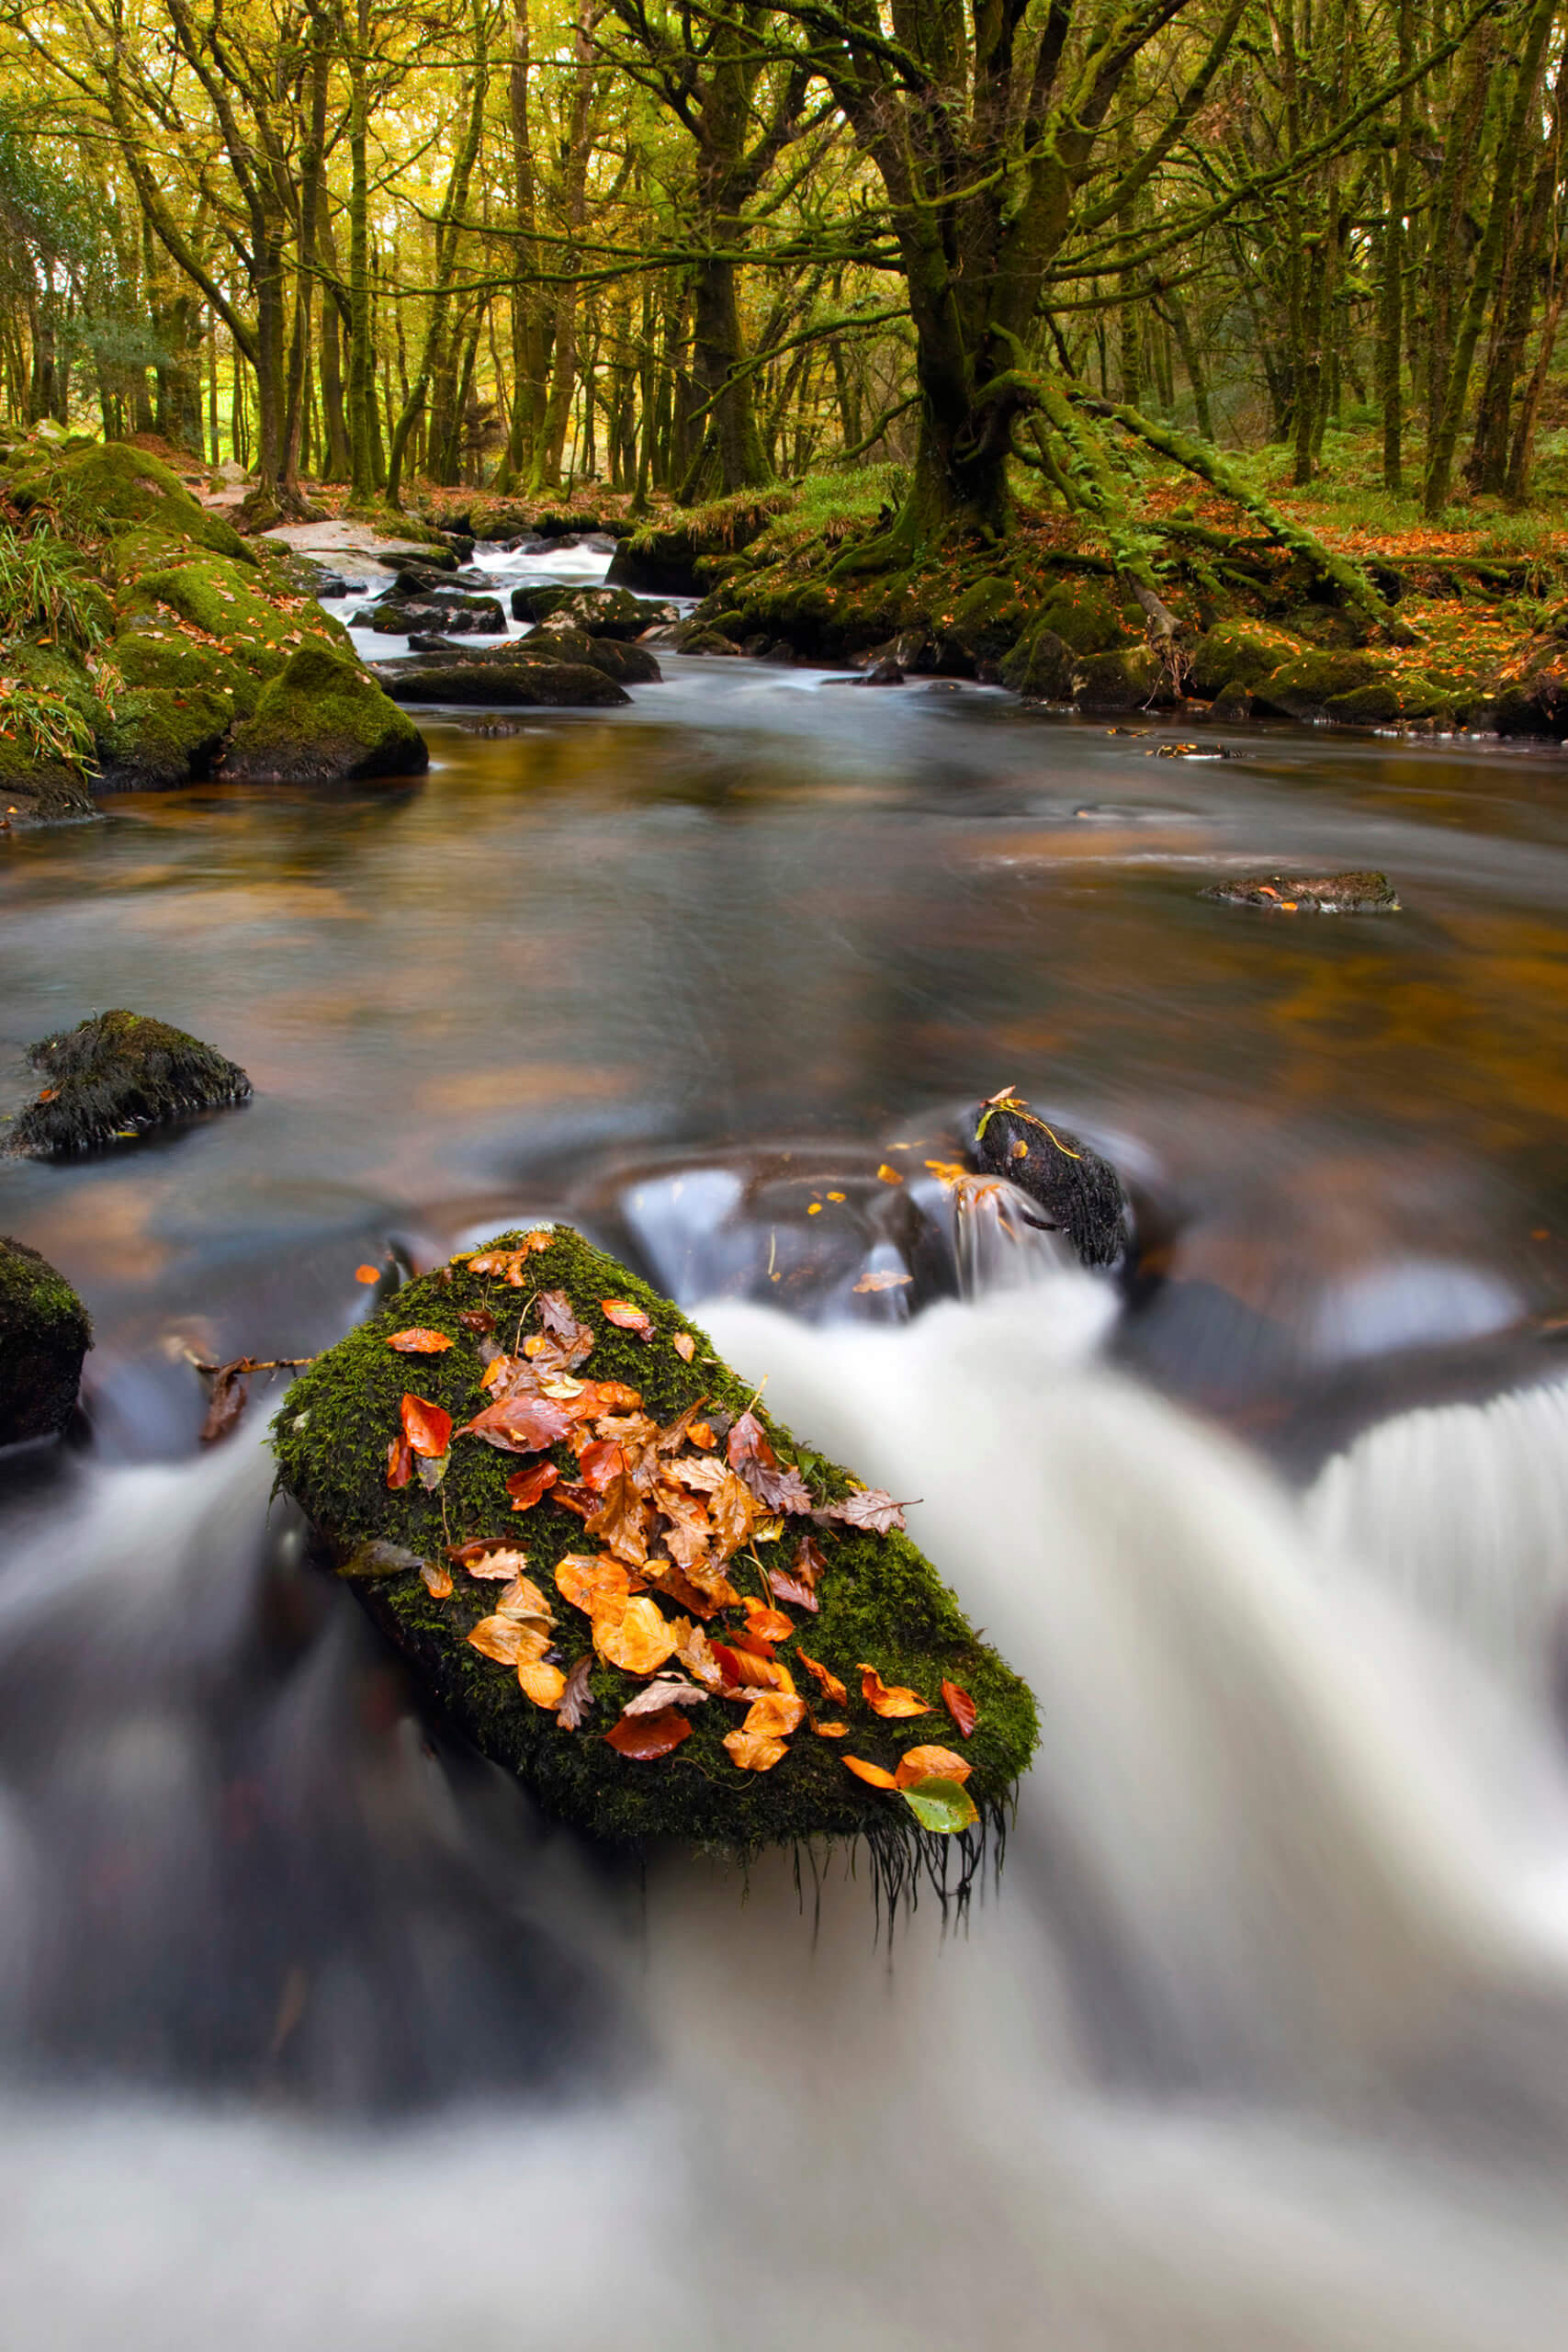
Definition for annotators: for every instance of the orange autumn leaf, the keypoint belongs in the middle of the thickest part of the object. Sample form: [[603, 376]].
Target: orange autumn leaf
[[931, 1764], [437, 1578], [685, 1346], [526, 1487], [701, 1434], [744, 1672], [593, 1583], [639, 1643], [367, 1273], [889, 1698], [776, 1714], [542, 1682], [695, 1653], [627, 1317], [399, 1463], [427, 1428], [772, 1624], [889, 1175], [522, 1599], [960, 1706], [753, 1751], [831, 1686], [509, 1640], [646, 1738], [871, 1773], [496, 1561], [417, 1342], [832, 1731]]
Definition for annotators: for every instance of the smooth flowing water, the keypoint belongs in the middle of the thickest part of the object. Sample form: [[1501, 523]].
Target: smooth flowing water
[[312, 2032]]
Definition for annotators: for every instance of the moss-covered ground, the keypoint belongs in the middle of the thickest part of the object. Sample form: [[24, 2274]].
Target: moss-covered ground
[[881, 1602]]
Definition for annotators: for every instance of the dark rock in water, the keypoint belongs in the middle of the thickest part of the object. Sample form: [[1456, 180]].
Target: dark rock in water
[[1041, 666], [1133, 680], [365, 617], [628, 664], [117, 1073], [44, 1334], [461, 544], [492, 725], [538, 604], [539, 1670], [1315, 894], [1232, 703], [331, 585], [886, 673], [462, 616], [415, 579], [422, 644], [431, 558], [607, 612], [1081, 1193], [323, 719], [1193, 752], [696, 637], [560, 685]]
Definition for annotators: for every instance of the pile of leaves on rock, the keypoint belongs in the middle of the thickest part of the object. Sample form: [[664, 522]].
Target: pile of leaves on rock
[[620, 1578]]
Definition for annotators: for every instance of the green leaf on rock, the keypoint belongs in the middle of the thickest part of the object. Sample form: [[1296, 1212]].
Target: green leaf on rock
[[944, 1805]]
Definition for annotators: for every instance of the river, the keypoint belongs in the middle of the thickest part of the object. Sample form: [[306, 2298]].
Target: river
[[312, 2032]]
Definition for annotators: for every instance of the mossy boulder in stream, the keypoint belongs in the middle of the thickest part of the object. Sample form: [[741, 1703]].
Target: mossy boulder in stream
[[44, 1334], [325, 719], [1081, 1193], [116, 1073], [672, 1532], [109, 486]]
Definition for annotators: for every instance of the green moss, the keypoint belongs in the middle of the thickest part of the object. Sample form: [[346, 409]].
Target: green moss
[[100, 488], [159, 737], [1305, 686], [989, 618], [1119, 681], [44, 1334], [1084, 615], [1040, 666], [881, 1601], [1393, 700], [325, 719], [1239, 653], [119, 1072]]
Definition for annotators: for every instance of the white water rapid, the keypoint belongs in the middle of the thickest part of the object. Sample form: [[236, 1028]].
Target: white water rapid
[[1261, 2047]]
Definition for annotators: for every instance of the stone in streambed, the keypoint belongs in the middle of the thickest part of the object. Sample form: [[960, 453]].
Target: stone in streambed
[[119, 1072], [554, 685], [325, 719], [628, 664], [44, 1334], [1319, 894], [880, 1602], [1079, 1194], [607, 612]]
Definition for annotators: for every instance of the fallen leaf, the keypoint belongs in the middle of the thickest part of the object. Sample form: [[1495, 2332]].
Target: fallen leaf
[[437, 1578], [744, 1672], [646, 1738], [572, 1341], [399, 1463], [509, 1263], [522, 1599], [695, 1654], [772, 1624], [685, 1346], [509, 1640], [755, 1752], [831, 1686], [427, 1428], [477, 1319], [752, 1644], [889, 1698], [542, 1682], [669, 1691], [367, 1273], [598, 1463], [621, 1521], [639, 1643], [226, 1403], [943, 1805], [931, 1764], [520, 1424], [960, 1706], [872, 1507], [787, 1588], [595, 1584], [751, 1456], [871, 1773], [832, 1731], [627, 1317], [703, 1473], [576, 1698], [889, 1175], [810, 1560], [485, 1558], [776, 1712], [607, 1397], [430, 1469], [415, 1341], [875, 1282], [526, 1487]]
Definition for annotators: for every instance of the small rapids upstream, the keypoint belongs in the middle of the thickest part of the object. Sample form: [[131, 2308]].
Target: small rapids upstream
[[312, 2032]]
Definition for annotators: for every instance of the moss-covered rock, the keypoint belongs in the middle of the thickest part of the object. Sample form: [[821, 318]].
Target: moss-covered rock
[[1361, 893], [880, 1602], [1305, 686], [325, 719], [629, 664], [606, 612], [522, 684], [1084, 614], [160, 738], [1397, 698], [97, 487], [37, 784], [988, 619], [1080, 1193], [1239, 653], [117, 1073], [1132, 680], [44, 1334], [1041, 667]]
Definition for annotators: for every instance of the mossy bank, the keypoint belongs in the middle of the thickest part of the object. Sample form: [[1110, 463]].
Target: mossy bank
[[880, 1602]]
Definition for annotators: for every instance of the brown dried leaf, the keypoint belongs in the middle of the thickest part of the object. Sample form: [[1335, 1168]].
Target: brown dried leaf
[[477, 1319], [810, 1561], [573, 1342], [872, 1507], [871, 1773], [639, 1643], [768, 1624], [627, 1317], [751, 1456], [884, 1281], [417, 1342], [831, 1686], [227, 1401], [695, 1653], [427, 1428], [931, 1764], [508, 1263], [755, 1752], [509, 1640], [889, 1175], [577, 1700], [600, 1461], [787, 1588], [891, 1699], [488, 1557], [526, 1487], [668, 1690], [542, 1682], [703, 1473], [647, 1737], [960, 1706], [744, 1672], [685, 1346], [520, 1424], [437, 1578], [522, 1599], [400, 1461]]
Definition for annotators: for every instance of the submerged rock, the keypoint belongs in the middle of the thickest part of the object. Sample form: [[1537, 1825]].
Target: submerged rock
[[325, 719], [1317, 894], [117, 1073], [531, 1581], [556, 685], [1081, 1193], [630, 664], [44, 1334]]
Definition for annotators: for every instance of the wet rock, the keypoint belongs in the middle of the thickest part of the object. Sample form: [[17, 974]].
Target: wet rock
[[697, 637], [1079, 1194], [325, 719], [331, 585], [116, 1073], [459, 615], [536, 605], [557, 685], [1041, 666], [1232, 704], [607, 612], [430, 559], [1131, 680], [411, 1553], [44, 1334], [1239, 655], [420, 644], [628, 664], [884, 673], [1319, 894], [417, 579]]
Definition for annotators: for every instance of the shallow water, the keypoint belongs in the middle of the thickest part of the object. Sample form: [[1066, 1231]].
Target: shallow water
[[312, 2029]]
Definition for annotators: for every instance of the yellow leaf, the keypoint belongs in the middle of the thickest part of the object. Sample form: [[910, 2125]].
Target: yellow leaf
[[639, 1643], [753, 1752]]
